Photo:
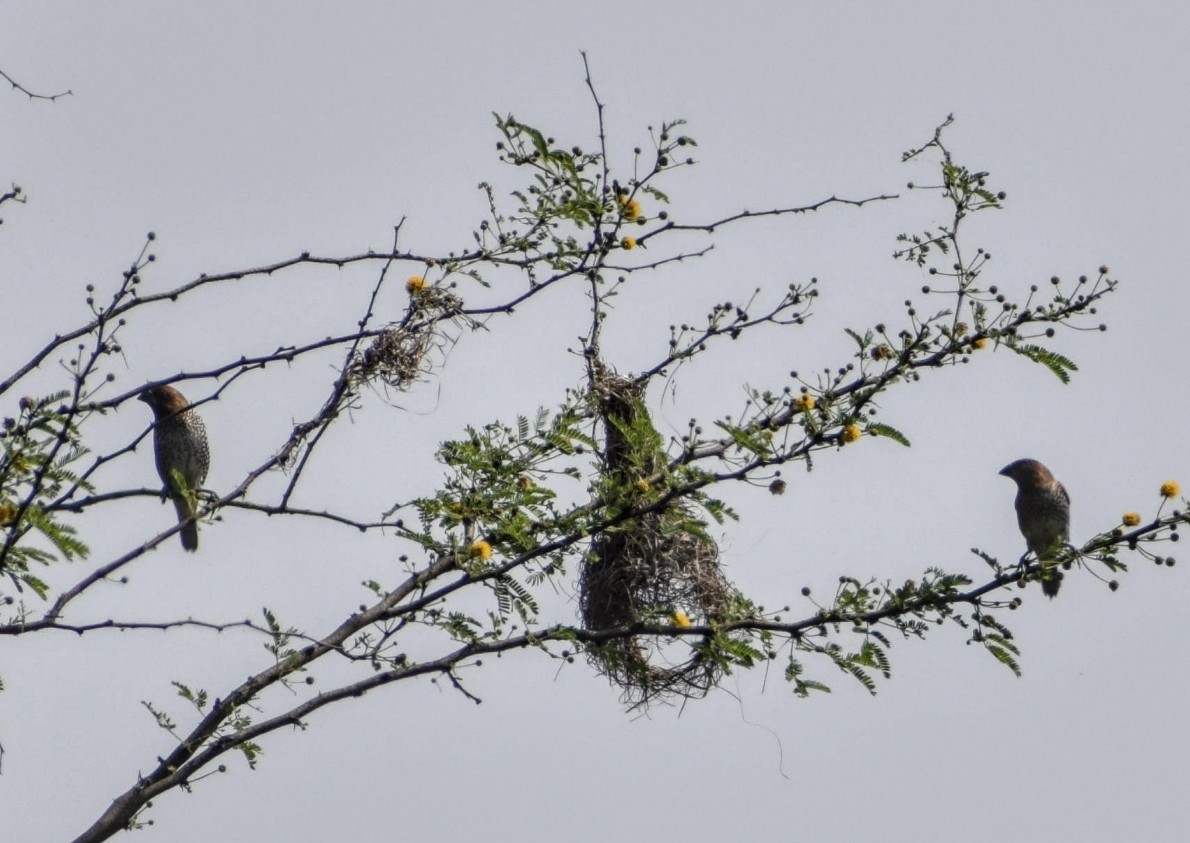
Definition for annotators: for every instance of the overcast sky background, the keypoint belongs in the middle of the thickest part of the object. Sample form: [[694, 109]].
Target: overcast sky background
[[244, 133]]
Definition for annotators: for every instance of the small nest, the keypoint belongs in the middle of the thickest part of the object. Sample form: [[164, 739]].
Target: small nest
[[649, 568], [400, 355], [397, 356]]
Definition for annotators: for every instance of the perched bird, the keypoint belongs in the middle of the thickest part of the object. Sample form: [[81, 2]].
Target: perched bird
[[183, 457], [1043, 513]]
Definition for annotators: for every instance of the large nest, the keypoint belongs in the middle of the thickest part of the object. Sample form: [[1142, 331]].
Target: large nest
[[649, 567]]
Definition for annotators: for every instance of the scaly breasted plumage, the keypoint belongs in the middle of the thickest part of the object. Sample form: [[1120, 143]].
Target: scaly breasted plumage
[[180, 445], [1043, 514]]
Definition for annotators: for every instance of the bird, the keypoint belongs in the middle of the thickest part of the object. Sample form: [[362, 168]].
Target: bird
[[1043, 514], [183, 455]]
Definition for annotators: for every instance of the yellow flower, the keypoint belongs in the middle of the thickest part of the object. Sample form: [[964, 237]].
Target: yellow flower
[[850, 433], [804, 402], [7, 513], [979, 342], [680, 618], [1170, 489], [629, 209], [524, 482], [481, 550], [415, 283], [642, 484], [628, 242], [1131, 519]]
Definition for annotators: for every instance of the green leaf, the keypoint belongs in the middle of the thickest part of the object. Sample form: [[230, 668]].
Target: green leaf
[[39, 586], [745, 440], [1052, 360], [803, 687], [861, 675], [860, 341], [251, 752], [878, 429], [1002, 655]]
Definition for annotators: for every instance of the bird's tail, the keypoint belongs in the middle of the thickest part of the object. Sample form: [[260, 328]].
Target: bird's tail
[[189, 525], [1051, 579]]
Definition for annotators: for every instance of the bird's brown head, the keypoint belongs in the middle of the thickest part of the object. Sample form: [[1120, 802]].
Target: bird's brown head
[[1027, 471], [165, 401]]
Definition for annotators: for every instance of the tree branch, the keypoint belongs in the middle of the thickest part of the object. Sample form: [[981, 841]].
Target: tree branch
[[17, 86]]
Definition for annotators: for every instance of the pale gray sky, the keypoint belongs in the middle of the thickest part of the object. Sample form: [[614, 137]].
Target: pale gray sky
[[244, 133]]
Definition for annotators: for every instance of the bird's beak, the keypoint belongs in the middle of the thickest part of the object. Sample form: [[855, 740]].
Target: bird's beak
[[144, 396], [1003, 471]]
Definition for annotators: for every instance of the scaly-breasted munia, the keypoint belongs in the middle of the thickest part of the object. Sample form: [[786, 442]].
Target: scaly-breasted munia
[[183, 456], [1043, 513]]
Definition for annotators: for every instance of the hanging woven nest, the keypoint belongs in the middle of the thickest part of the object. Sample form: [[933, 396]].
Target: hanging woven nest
[[650, 567]]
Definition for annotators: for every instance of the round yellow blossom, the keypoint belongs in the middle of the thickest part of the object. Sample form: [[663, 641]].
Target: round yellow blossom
[[524, 482], [7, 513], [643, 484], [680, 618], [979, 342], [804, 402], [481, 550], [850, 433], [415, 283], [628, 242], [629, 209], [1131, 519], [1170, 489]]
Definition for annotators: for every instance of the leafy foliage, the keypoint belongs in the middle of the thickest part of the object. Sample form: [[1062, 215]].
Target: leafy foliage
[[38, 449]]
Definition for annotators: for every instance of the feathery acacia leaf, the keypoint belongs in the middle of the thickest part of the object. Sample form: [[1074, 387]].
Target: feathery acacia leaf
[[1060, 365], [888, 431]]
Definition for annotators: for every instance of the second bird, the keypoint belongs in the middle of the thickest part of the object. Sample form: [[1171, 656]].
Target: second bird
[[180, 445], [1043, 514]]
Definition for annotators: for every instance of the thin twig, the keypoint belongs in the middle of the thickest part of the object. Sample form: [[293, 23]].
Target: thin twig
[[30, 94]]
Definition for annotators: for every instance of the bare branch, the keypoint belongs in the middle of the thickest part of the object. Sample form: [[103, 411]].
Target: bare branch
[[30, 94]]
